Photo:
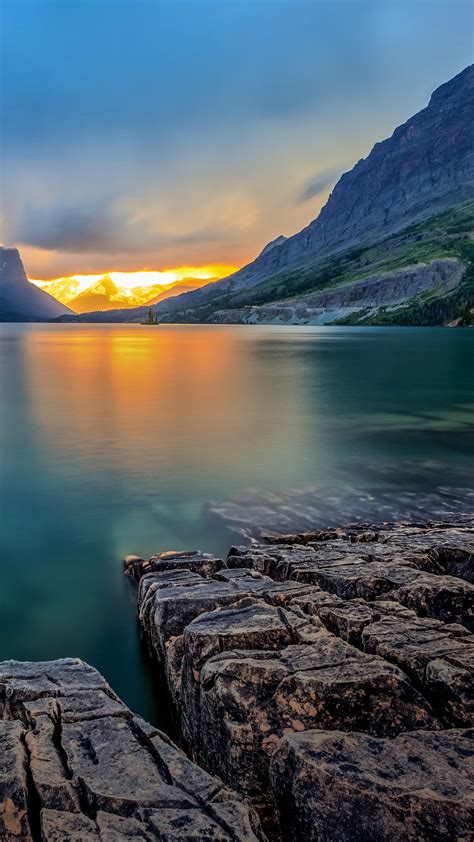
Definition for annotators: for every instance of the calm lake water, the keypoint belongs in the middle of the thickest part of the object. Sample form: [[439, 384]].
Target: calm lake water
[[113, 439]]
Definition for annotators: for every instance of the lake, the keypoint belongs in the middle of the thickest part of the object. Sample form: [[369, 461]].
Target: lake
[[114, 439]]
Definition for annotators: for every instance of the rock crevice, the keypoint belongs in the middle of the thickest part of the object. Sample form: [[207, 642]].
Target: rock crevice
[[76, 764], [355, 636]]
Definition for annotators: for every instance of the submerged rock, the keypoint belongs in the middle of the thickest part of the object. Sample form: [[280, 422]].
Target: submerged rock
[[258, 515]]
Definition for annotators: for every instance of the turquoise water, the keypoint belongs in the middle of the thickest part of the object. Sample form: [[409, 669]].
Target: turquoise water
[[114, 438]]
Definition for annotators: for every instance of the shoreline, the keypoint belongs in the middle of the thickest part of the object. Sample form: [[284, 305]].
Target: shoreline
[[321, 687], [294, 642]]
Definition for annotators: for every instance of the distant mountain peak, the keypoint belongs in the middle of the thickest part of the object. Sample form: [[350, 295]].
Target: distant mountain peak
[[271, 245], [19, 299]]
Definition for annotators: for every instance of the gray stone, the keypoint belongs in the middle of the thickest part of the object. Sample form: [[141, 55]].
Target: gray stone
[[76, 763], [203, 563], [349, 629], [14, 822], [354, 788]]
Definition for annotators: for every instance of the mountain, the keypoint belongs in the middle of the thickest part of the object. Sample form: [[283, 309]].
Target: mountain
[[392, 244], [186, 285], [101, 292], [96, 297], [105, 294], [427, 165], [19, 299]]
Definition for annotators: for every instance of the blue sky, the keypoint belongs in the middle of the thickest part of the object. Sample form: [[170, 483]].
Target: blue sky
[[158, 133]]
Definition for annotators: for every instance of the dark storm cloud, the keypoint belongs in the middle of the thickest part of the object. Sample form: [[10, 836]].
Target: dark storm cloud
[[96, 228], [64, 227], [318, 183]]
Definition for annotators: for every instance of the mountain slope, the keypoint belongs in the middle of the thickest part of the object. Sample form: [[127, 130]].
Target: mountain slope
[[402, 200], [425, 166], [421, 275], [186, 285], [105, 294], [19, 299]]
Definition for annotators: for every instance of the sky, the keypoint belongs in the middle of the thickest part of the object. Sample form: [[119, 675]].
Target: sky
[[151, 134]]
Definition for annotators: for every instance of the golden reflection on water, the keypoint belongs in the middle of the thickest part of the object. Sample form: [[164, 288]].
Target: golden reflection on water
[[112, 439], [195, 394]]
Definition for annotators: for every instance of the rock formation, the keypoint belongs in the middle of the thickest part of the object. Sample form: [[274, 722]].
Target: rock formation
[[327, 676], [77, 765], [321, 684], [20, 300], [425, 166]]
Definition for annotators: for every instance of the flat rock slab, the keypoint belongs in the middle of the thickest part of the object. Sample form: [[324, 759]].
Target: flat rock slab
[[438, 657], [204, 563], [351, 787], [385, 568], [76, 764], [249, 700], [362, 629]]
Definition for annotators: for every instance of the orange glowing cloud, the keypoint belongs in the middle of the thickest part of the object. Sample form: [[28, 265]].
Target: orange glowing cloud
[[113, 290]]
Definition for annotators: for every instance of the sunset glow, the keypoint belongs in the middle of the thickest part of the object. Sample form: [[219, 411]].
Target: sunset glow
[[128, 289]]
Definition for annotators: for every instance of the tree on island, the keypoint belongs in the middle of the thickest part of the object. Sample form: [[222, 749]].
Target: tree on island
[[151, 318]]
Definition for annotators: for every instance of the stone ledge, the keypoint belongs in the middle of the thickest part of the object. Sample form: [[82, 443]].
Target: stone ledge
[[361, 629], [347, 786], [76, 764]]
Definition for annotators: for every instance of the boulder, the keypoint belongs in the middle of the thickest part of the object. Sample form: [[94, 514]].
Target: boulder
[[204, 563], [76, 764], [354, 788]]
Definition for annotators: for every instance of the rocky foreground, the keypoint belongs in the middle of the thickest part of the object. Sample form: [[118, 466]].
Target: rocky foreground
[[321, 685], [76, 764], [327, 676]]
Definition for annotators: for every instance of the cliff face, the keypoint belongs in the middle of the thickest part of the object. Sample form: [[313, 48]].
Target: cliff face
[[426, 165], [387, 292], [18, 298]]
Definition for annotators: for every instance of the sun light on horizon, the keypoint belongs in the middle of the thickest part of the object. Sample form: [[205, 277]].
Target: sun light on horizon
[[130, 288]]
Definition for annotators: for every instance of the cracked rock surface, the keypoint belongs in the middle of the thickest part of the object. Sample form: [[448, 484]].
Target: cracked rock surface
[[348, 786], [316, 673], [76, 764]]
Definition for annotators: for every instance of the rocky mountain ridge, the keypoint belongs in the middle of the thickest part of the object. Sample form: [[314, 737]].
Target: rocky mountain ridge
[[414, 186], [425, 166], [409, 204]]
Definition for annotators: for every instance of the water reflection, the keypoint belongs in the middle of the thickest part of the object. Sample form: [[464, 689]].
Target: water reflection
[[114, 438], [162, 399]]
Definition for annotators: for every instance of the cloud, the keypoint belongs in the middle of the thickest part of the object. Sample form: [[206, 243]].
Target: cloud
[[319, 182], [97, 228]]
